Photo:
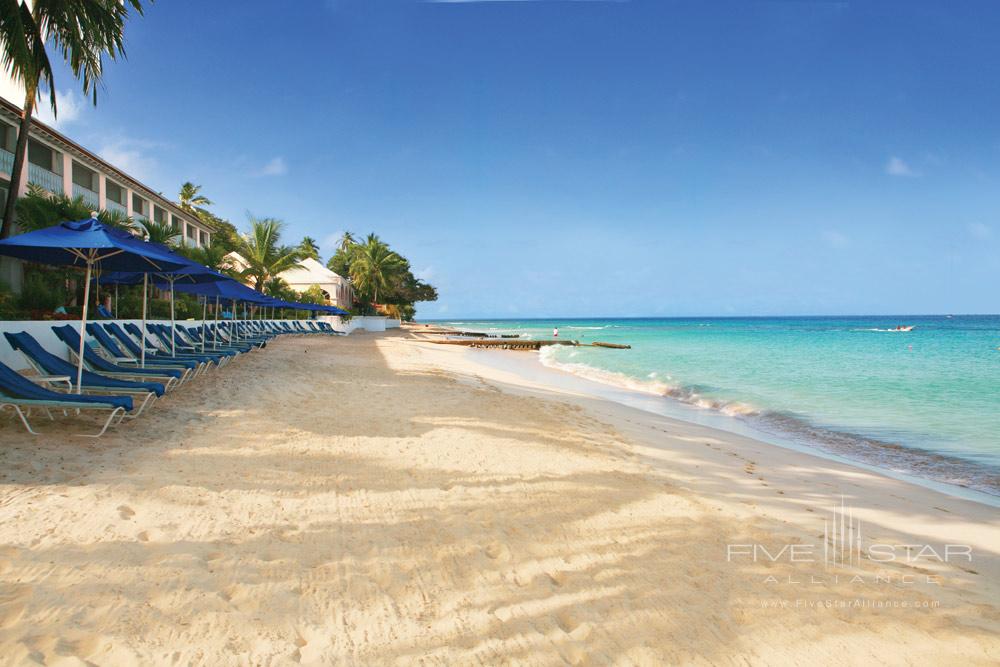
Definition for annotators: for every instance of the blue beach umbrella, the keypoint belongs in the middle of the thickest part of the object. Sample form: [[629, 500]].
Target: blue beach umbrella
[[191, 273], [88, 243]]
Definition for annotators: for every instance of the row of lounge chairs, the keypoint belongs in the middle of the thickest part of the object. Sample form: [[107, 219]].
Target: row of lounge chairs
[[114, 381]]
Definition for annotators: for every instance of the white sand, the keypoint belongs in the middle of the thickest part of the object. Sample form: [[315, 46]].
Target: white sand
[[372, 500]]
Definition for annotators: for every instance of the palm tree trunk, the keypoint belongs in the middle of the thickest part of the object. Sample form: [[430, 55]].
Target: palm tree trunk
[[20, 157]]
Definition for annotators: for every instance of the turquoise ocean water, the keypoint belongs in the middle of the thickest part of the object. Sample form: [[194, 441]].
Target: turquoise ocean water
[[924, 402]]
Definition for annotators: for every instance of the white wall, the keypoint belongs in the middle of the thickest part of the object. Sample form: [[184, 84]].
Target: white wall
[[366, 323]]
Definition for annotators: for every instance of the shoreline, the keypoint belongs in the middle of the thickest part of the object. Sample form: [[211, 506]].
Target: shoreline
[[374, 499], [856, 450]]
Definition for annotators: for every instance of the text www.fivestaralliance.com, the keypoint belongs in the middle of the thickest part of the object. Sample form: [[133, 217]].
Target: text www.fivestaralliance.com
[[847, 603]]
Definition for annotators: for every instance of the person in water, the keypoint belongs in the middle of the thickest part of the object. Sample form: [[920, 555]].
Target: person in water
[[555, 332]]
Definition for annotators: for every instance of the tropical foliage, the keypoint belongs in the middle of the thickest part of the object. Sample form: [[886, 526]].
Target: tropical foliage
[[309, 248], [263, 253], [214, 256], [161, 232], [191, 199], [39, 208], [383, 279], [83, 32]]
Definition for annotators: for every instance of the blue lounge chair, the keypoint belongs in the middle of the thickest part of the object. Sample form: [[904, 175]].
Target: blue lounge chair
[[97, 363], [21, 394], [120, 356], [153, 357], [163, 334], [46, 363], [161, 354]]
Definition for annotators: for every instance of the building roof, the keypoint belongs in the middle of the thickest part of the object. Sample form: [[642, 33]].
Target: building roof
[[13, 112], [311, 272]]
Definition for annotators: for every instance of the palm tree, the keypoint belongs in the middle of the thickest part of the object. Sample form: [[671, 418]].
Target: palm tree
[[374, 265], [160, 232], [119, 219], [214, 256], [39, 208], [347, 240], [309, 248], [82, 31], [190, 199], [264, 257]]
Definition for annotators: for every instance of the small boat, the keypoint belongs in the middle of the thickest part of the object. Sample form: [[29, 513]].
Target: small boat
[[902, 328]]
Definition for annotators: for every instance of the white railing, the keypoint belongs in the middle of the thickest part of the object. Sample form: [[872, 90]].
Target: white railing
[[112, 205], [89, 196], [6, 161], [45, 178]]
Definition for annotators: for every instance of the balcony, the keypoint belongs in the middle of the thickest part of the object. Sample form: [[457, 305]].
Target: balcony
[[89, 196], [6, 161], [45, 178], [112, 205]]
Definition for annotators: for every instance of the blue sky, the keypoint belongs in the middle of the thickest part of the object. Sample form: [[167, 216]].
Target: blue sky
[[591, 158]]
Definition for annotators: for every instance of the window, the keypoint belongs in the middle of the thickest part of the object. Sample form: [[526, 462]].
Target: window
[[138, 204], [176, 222], [192, 232], [85, 178], [41, 155], [8, 137], [159, 215], [114, 192]]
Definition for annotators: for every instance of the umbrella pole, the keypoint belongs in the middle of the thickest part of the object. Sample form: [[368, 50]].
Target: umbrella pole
[[215, 334], [142, 343], [173, 334], [83, 328], [116, 301], [204, 330]]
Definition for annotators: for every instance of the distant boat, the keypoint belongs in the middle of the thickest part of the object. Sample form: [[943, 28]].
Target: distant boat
[[901, 328]]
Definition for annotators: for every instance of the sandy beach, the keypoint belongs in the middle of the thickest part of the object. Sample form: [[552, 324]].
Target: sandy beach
[[375, 500]]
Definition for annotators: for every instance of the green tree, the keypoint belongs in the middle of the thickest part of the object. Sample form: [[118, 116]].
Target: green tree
[[39, 208], [347, 240], [264, 255], [191, 199], [373, 266], [160, 232], [213, 255], [309, 248], [312, 294], [82, 31]]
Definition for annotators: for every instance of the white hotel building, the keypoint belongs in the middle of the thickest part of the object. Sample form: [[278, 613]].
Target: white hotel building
[[62, 166]]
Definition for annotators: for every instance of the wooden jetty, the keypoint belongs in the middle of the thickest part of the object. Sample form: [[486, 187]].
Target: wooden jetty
[[523, 343]]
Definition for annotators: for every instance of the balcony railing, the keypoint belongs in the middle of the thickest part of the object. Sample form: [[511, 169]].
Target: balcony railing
[[112, 205], [45, 178], [6, 161], [89, 196]]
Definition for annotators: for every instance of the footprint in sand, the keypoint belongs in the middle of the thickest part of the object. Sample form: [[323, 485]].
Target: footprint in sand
[[498, 551], [125, 512]]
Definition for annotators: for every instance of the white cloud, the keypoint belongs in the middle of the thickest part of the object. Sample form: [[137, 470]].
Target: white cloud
[[896, 166], [68, 103], [69, 106], [131, 156], [835, 239], [980, 231], [276, 167]]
